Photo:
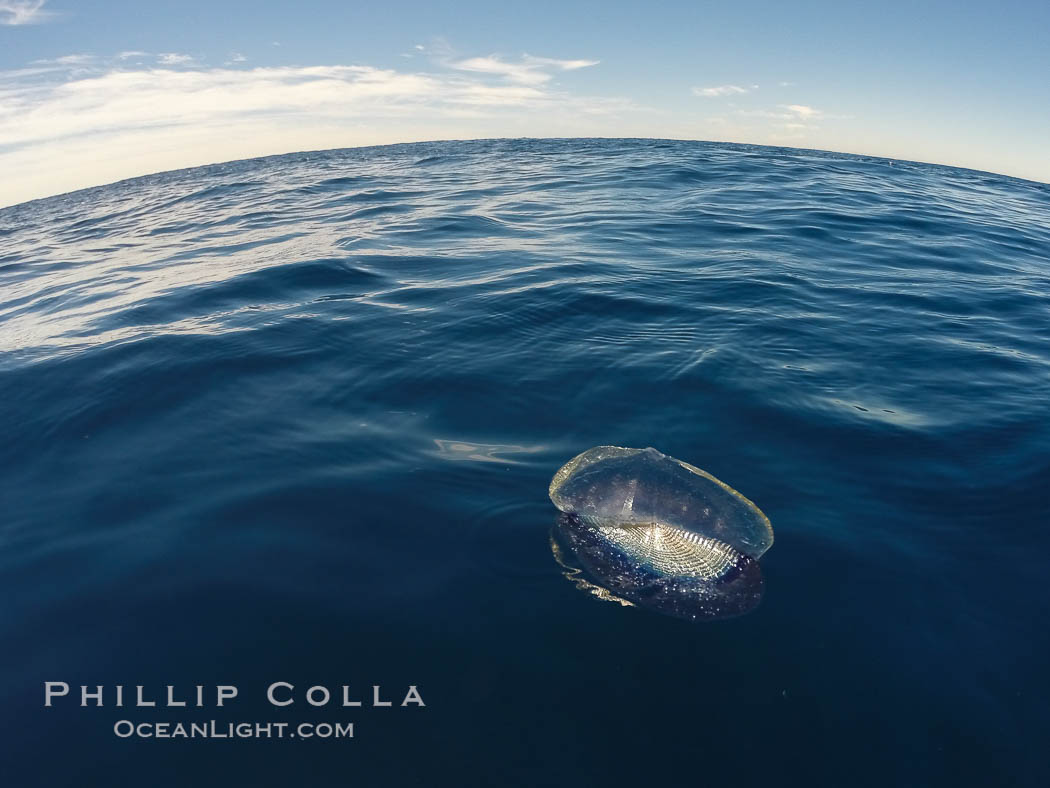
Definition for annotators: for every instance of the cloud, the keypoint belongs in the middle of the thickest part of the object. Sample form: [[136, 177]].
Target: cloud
[[132, 53], [67, 128], [66, 60], [785, 124], [563, 65], [235, 57], [23, 12], [528, 70], [788, 113], [802, 111], [720, 90], [174, 59]]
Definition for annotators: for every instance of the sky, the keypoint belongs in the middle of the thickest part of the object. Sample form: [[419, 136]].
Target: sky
[[95, 91]]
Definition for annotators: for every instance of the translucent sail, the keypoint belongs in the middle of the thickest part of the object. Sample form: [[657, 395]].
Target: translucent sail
[[643, 528], [610, 485]]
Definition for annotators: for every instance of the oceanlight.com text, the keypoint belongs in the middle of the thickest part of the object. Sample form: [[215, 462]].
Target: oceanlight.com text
[[233, 730]]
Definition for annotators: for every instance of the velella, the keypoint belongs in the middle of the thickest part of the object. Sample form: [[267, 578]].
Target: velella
[[642, 528]]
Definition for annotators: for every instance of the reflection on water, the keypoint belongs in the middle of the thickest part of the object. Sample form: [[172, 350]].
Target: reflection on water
[[483, 452]]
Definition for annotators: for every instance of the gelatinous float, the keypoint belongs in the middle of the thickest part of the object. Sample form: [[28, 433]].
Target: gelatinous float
[[641, 528]]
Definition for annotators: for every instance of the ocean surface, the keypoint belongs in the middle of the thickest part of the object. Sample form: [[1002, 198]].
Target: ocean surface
[[293, 419]]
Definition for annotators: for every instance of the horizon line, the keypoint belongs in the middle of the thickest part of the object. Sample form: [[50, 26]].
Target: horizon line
[[891, 159]]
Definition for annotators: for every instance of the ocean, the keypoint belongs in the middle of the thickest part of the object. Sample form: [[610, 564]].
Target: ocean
[[292, 420]]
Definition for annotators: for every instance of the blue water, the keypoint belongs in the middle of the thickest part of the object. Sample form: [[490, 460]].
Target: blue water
[[293, 419]]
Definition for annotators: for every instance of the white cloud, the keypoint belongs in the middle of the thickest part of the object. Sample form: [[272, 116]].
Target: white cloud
[[762, 113], [62, 129], [235, 57], [720, 90], [528, 70], [23, 12], [787, 112], [563, 65], [784, 124], [802, 111], [66, 60], [174, 59], [132, 53], [787, 122]]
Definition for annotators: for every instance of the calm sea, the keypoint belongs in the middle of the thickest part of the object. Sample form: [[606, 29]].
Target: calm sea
[[293, 419]]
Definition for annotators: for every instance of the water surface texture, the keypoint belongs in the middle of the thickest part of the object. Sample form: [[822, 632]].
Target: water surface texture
[[293, 419]]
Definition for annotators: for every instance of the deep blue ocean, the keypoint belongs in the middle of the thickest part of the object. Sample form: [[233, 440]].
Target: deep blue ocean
[[293, 419]]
